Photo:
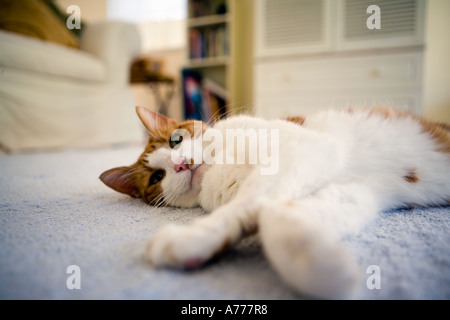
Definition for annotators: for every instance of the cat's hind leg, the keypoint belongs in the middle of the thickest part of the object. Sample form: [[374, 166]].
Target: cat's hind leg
[[302, 238]]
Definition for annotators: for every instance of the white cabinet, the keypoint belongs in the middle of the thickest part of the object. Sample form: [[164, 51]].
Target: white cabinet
[[286, 27], [313, 54], [401, 24]]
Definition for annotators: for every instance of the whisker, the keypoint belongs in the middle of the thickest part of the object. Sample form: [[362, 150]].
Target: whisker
[[171, 195], [230, 111], [159, 201]]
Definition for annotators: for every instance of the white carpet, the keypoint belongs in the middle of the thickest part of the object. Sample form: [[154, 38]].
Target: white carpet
[[55, 212]]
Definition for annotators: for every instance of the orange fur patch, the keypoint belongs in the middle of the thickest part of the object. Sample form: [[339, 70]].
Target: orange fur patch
[[411, 176], [386, 113], [289, 203], [298, 120], [439, 132]]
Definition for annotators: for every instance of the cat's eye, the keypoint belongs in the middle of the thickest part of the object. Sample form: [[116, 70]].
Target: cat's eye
[[175, 139], [156, 177]]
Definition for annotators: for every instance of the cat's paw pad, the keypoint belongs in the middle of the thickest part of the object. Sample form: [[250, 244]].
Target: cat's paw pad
[[185, 247]]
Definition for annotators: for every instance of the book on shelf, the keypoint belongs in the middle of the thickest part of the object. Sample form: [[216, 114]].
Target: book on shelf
[[215, 101], [192, 94], [208, 42], [204, 99]]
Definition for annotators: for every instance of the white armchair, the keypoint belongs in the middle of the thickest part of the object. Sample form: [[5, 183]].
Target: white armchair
[[53, 96]]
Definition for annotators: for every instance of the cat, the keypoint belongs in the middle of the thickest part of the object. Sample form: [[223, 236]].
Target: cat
[[335, 170]]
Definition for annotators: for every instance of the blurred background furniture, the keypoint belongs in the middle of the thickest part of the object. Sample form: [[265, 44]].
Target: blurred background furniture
[[146, 70], [219, 50], [54, 94], [314, 55]]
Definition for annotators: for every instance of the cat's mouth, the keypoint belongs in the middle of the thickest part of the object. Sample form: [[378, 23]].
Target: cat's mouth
[[196, 175]]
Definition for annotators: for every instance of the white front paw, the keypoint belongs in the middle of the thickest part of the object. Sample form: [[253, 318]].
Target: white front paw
[[184, 246]]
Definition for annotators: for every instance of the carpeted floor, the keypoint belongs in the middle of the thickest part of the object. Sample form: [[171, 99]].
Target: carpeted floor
[[55, 213]]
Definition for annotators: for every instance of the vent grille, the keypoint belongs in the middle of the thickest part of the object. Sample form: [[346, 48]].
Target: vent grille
[[293, 22], [398, 18]]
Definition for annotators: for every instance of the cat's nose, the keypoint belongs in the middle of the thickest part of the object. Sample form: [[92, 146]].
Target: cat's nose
[[181, 166]]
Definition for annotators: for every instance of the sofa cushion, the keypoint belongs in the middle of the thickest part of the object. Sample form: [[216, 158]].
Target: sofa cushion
[[22, 52], [34, 18]]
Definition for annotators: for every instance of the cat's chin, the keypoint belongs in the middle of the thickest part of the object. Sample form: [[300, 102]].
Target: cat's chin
[[188, 199]]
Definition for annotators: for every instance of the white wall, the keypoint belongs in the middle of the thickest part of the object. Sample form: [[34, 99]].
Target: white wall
[[437, 61], [162, 35]]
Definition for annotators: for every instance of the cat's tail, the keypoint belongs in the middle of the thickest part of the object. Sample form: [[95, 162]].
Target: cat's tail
[[302, 241]]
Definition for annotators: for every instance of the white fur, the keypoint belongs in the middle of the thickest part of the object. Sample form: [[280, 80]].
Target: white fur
[[336, 171]]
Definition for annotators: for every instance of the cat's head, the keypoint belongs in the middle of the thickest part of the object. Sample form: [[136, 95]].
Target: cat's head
[[168, 172]]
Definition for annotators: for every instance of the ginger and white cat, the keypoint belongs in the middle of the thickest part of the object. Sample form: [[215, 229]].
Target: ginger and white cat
[[334, 171]]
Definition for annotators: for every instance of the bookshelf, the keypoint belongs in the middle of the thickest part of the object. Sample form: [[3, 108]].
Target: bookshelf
[[215, 29]]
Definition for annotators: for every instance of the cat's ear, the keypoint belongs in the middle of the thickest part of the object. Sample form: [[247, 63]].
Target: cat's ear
[[153, 121], [122, 180]]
